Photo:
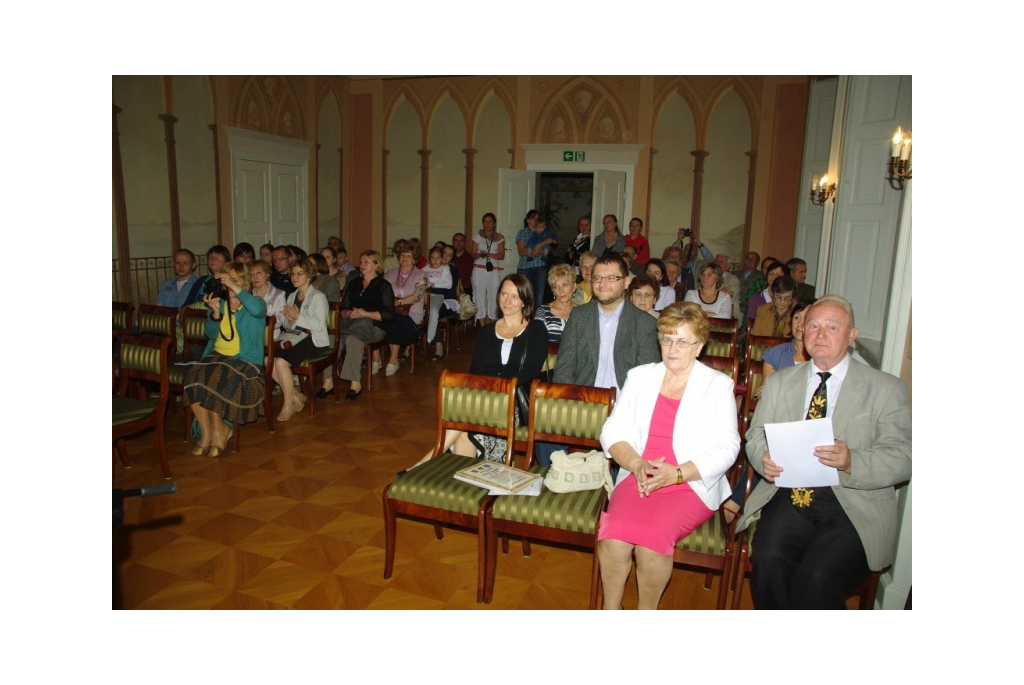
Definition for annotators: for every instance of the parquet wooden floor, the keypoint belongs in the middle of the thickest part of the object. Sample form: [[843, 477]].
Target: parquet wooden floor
[[294, 520]]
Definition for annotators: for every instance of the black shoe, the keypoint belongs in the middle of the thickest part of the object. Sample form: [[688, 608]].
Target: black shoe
[[324, 393], [437, 357], [353, 395], [404, 357]]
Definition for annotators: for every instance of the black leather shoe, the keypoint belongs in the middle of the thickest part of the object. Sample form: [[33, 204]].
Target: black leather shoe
[[353, 395], [324, 393]]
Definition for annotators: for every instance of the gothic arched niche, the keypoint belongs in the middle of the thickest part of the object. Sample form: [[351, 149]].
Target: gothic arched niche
[[584, 110], [403, 173], [446, 139], [492, 140], [328, 169], [675, 136], [723, 208]]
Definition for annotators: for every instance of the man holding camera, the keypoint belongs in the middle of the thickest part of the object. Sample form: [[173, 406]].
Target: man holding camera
[[695, 256]]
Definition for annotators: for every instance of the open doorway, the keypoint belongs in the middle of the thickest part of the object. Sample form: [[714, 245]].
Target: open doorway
[[563, 197]]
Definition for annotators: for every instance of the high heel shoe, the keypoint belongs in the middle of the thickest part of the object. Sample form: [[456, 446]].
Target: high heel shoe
[[199, 450], [298, 401]]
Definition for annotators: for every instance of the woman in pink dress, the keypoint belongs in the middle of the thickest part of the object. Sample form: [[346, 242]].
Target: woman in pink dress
[[673, 433]]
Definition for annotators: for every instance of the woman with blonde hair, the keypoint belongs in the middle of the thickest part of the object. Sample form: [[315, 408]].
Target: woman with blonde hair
[[673, 433], [562, 279], [305, 314], [227, 385]]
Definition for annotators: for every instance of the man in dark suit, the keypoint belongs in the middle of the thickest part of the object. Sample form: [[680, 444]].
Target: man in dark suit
[[609, 335], [813, 546]]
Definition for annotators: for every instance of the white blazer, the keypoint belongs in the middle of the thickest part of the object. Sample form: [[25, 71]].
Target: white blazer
[[705, 429], [312, 315]]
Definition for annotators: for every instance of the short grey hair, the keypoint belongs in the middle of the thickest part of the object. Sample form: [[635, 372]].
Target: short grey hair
[[839, 301]]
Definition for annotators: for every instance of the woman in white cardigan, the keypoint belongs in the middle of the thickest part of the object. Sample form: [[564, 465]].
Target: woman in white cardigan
[[305, 311], [673, 432]]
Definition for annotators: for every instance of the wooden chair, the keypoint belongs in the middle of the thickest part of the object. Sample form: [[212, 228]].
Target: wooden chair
[[193, 328], [143, 360], [865, 592], [567, 414], [466, 402], [547, 370], [754, 379], [758, 344], [123, 316], [268, 384], [724, 325], [157, 320], [730, 366], [310, 369], [712, 546]]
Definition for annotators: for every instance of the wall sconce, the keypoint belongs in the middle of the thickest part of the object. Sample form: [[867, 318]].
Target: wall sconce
[[900, 166], [822, 190]]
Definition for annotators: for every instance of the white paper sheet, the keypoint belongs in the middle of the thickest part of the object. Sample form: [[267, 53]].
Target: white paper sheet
[[792, 447]]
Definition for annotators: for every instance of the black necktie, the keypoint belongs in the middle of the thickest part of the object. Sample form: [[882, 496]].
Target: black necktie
[[804, 497]]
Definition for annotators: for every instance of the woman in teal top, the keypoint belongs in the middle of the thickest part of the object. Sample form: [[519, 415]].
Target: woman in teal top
[[228, 383]]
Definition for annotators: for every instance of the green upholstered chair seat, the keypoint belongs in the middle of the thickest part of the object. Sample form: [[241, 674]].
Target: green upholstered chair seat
[[128, 409], [572, 511], [433, 484], [709, 538], [522, 433]]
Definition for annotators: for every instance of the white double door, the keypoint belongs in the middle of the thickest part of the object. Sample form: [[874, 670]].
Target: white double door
[[270, 203]]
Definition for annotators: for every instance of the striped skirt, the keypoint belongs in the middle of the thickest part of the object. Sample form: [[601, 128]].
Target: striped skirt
[[229, 387]]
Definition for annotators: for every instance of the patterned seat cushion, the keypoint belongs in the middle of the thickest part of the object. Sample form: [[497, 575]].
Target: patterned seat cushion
[[572, 511], [128, 409], [433, 484], [709, 538]]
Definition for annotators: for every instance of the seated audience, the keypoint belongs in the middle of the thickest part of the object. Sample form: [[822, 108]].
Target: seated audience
[[673, 433], [709, 295], [440, 290], [259, 272], [174, 291], [773, 318], [643, 292], [324, 282], [305, 312], [775, 269], [562, 280], [244, 252], [227, 385], [267, 254], [584, 291], [368, 302], [410, 285], [514, 346], [673, 271], [666, 295], [216, 257]]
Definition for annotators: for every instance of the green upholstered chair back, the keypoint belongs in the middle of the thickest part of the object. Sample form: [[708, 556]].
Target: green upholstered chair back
[[193, 325], [570, 414], [718, 348], [482, 404], [122, 320], [757, 344], [144, 358], [157, 320], [723, 325]]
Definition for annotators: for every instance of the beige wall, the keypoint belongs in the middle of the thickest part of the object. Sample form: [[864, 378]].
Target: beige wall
[[726, 116]]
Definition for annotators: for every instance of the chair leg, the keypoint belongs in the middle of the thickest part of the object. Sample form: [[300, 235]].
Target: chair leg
[[723, 589], [481, 555], [595, 578], [268, 403], [438, 531], [491, 561], [188, 422], [161, 448], [236, 439], [526, 547], [390, 530], [122, 454], [708, 579], [738, 574]]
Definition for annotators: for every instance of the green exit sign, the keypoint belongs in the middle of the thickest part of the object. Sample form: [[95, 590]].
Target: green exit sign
[[574, 156]]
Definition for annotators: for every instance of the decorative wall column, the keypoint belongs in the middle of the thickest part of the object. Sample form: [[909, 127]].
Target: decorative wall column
[[120, 216], [384, 201], [698, 187], [647, 204], [470, 153], [172, 179], [424, 193], [216, 174], [749, 213], [341, 192]]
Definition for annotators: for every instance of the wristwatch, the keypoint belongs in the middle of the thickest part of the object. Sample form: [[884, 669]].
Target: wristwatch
[[679, 475]]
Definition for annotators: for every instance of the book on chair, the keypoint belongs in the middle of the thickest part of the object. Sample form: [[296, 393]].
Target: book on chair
[[498, 478]]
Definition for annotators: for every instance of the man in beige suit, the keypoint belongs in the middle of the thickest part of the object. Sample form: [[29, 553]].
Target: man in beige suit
[[812, 548]]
